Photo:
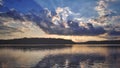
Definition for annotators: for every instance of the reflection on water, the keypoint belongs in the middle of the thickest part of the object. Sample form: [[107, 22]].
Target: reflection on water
[[59, 56]]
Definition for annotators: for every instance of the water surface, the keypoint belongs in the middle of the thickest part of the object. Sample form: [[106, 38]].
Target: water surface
[[59, 56]]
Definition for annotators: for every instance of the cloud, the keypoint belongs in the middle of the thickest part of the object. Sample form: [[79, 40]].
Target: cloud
[[62, 15], [1, 2], [74, 29], [103, 11], [17, 26], [102, 8], [63, 21], [114, 33], [107, 13], [66, 22], [8, 30], [108, 16]]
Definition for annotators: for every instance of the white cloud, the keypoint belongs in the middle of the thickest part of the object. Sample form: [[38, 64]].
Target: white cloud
[[106, 15], [102, 7], [62, 15]]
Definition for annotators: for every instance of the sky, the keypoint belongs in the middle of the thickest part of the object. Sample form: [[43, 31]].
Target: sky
[[77, 20]]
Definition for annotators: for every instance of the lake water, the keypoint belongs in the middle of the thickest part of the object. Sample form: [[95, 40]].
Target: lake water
[[59, 56]]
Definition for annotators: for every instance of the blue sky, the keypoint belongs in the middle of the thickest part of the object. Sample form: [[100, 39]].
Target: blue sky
[[78, 6], [83, 18]]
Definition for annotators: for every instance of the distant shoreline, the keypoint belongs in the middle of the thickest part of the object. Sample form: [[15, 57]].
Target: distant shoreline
[[36, 41], [53, 41]]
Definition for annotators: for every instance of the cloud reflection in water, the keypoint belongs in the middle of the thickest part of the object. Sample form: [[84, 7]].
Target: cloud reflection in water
[[18, 57]]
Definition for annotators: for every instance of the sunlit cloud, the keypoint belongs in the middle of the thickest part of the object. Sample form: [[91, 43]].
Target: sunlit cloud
[[93, 20]]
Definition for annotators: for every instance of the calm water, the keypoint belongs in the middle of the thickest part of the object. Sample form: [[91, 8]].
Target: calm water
[[59, 56]]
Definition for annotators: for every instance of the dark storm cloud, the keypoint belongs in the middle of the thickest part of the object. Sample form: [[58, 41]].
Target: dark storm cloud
[[74, 29], [113, 30], [114, 33]]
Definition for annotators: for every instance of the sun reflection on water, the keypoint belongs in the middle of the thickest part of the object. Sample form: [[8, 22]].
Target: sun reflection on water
[[18, 57]]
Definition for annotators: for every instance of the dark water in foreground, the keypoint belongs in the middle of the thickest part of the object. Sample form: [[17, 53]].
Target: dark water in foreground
[[60, 56]]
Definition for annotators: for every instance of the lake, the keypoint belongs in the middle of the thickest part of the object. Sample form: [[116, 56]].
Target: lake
[[59, 56]]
